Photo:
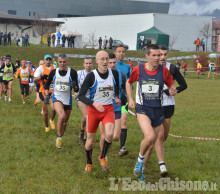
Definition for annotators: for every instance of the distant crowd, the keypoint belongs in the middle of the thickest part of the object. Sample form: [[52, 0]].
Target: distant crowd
[[200, 43], [105, 43]]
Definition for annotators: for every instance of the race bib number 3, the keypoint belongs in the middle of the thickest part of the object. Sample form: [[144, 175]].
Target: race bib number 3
[[24, 79], [150, 89]]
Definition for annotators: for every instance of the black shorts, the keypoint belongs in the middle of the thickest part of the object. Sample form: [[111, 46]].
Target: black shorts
[[42, 97], [117, 115], [1, 79], [5, 82], [65, 107], [24, 87], [156, 115], [168, 111]]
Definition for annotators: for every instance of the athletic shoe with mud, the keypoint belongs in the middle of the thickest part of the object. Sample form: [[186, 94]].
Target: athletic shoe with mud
[[52, 125], [47, 129], [104, 164], [88, 168], [163, 171], [58, 143], [138, 169], [142, 178], [123, 151], [81, 137]]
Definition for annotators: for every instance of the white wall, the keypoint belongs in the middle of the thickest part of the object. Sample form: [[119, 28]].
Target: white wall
[[119, 27], [126, 27], [186, 28]]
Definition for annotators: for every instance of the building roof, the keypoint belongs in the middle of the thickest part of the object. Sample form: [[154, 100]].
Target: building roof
[[14, 19]]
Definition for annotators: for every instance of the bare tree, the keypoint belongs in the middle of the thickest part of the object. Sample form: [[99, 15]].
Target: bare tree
[[92, 40], [206, 31], [43, 25], [173, 39]]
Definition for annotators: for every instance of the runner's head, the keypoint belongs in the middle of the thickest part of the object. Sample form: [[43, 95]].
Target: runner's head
[[28, 63], [120, 52], [1, 61], [112, 61], [163, 54], [88, 64], [41, 62], [62, 62], [102, 59], [8, 60], [47, 60], [23, 63], [153, 55]]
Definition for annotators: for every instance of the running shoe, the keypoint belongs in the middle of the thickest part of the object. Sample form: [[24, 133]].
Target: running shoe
[[88, 167], [6, 98], [138, 169], [163, 171], [123, 151], [58, 143], [104, 164], [9, 99], [47, 129], [142, 178], [23, 102], [52, 125]]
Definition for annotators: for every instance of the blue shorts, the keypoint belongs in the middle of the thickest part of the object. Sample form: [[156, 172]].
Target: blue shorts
[[117, 115], [156, 115]]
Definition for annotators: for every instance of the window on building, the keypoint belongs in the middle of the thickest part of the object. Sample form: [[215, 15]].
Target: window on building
[[12, 12]]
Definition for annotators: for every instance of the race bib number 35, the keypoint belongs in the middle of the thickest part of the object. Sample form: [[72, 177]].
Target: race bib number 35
[[105, 92]]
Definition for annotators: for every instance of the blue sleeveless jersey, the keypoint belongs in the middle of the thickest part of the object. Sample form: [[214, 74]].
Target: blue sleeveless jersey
[[149, 88]]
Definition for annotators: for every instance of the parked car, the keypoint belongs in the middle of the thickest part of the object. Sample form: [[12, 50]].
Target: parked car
[[118, 42]]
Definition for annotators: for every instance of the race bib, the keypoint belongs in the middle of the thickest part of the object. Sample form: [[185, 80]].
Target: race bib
[[1, 74], [8, 74], [150, 89], [24, 79], [62, 86], [105, 92], [51, 87]]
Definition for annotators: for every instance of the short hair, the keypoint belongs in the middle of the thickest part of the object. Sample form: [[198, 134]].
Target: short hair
[[120, 45], [153, 47], [112, 56], [63, 56], [163, 47], [86, 58]]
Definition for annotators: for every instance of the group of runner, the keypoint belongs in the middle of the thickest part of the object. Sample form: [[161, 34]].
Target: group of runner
[[102, 99]]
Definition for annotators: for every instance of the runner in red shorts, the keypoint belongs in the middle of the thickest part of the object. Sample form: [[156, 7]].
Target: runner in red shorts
[[103, 86]]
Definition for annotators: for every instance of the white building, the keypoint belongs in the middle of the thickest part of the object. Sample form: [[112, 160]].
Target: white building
[[125, 27]]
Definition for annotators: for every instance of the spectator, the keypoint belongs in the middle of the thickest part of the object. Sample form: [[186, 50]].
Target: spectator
[[1, 35], [17, 63], [110, 42], [58, 38], [105, 43], [203, 43], [26, 39], [100, 42], [68, 41], [5, 39], [178, 64], [9, 38], [63, 40], [139, 43], [72, 38], [48, 40], [53, 40], [198, 43], [185, 68], [17, 39]]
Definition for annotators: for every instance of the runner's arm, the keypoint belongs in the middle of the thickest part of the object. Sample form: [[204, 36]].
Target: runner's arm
[[115, 74], [88, 82], [74, 77]]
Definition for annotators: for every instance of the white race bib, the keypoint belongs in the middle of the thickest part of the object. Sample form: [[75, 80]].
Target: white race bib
[[150, 88], [62, 86], [105, 93], [51, 87], [24, 79], [8, 74], [1, 74]]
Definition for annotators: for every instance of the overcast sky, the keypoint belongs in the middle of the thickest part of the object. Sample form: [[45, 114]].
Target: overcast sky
[[190, 7]]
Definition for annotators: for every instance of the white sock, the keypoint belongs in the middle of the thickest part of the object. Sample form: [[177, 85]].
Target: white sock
[[141, 158], [143, 168]]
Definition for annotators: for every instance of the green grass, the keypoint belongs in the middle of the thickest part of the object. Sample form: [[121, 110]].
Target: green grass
[[30, 163]]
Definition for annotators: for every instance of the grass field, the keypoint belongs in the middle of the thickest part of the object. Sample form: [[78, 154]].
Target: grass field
[[30, 163]]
